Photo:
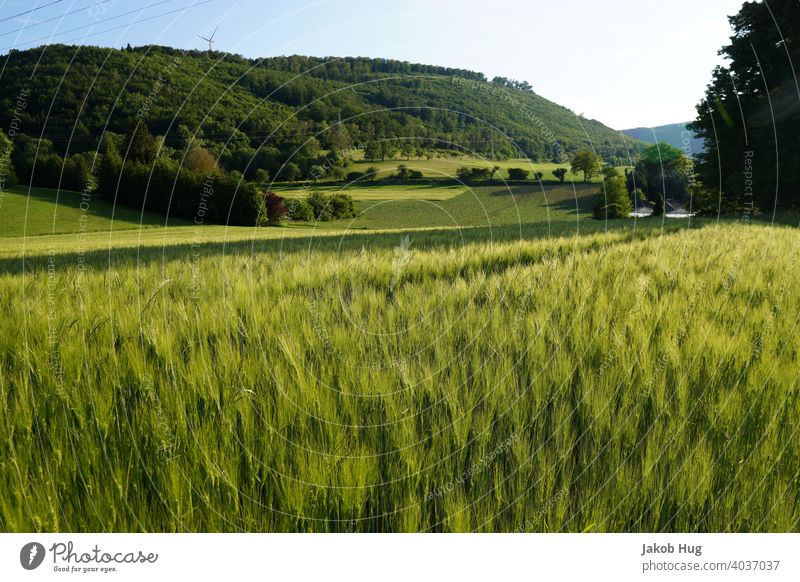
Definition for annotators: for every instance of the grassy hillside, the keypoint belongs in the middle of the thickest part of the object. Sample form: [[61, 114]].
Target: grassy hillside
[[36, 211], [379, 206], [467, 207], [447, 167], [635, 380]]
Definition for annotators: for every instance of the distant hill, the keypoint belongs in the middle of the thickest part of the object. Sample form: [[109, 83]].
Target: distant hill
[[288, 108], [675, 134]]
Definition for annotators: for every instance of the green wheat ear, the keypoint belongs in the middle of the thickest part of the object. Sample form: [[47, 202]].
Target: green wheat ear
[[647, 374]]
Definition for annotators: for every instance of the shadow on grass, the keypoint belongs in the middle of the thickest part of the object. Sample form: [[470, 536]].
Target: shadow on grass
[[566, 199], [131, 256], [98, 206]]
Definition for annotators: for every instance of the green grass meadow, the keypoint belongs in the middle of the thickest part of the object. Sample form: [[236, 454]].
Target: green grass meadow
[[34, 211], [385, 206], [489, 361], [446, 167]]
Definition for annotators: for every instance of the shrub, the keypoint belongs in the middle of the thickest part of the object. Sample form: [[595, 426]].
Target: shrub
[[262, 176], [517, 174], [290, 172], [342, 206], [354, 176], [465, 173], [320, 206], [404, 174], [276, 211], [336, 173], [76, 173], [560, 173], [200, 160], [232, 200], [297, 209], [334, 207], [613, 201]]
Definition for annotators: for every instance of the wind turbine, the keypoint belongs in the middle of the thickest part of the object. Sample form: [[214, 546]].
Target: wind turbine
[[210, 40]]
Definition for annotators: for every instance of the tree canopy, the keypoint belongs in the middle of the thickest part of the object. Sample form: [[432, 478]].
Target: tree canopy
[[587, 162], [662, 172], [750, 116]]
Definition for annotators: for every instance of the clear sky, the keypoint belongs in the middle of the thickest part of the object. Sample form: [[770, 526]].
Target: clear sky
[[627, 63]]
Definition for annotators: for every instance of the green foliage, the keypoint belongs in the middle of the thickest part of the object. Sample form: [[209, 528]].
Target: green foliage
[[298, 209], [379, 150], [404, 174], [663, 170], [8, 177], [517, 174], [331, 207], [77, 175], [5, 145], [658, 207], [703, 202], [342, 206], [262, 176], [110, 166], [141, 145], [613, 200], [290, 172], [320, 206], [560, 173], [466, 174], [231, 103], [664, 154], [752, 152], [587, 162]]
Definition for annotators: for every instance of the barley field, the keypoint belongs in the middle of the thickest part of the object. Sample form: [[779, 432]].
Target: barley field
[[630, 379]]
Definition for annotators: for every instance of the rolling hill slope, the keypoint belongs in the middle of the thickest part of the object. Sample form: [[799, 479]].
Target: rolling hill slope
[[71, 94], [674, 134]]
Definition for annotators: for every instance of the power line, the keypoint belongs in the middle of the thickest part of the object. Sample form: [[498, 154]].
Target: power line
[[39, 23], [139, 21], [48, 37], [29, 11]]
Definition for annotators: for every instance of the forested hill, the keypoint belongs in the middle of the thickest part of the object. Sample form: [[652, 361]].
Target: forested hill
[[675, 134], [73, 94]]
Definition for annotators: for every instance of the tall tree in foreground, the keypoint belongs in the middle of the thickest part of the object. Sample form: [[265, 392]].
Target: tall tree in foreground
[[750, 117]]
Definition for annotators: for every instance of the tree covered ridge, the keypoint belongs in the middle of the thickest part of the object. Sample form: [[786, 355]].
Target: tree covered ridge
[[261, 114]]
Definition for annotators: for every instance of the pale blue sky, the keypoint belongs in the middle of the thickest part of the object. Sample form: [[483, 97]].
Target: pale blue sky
[[627, 63]]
